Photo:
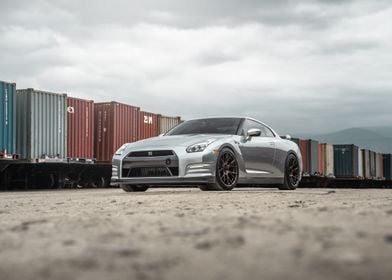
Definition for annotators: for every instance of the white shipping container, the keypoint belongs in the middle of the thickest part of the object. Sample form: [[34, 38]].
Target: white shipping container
[[166, 123], [360, 163]]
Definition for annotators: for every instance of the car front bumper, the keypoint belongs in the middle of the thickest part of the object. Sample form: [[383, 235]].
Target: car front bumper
[[164, 181], [193, 168]]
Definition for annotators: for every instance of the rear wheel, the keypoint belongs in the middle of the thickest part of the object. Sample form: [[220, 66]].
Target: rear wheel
[[227, 172], [291, 173], [134, 188]]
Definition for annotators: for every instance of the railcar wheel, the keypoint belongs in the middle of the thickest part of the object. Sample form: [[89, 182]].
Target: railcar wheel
[[227, 172], [291, 173], [134, 188]]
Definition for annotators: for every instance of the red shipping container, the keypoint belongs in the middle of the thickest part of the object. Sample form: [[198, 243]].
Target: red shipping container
[[80, 126], [303, 146], [148, 126], [115, 124]]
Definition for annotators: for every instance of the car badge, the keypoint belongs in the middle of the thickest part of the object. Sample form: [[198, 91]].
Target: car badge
[[150, 154]]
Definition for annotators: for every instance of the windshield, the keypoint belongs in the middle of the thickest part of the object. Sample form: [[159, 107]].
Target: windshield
[[207, 126]]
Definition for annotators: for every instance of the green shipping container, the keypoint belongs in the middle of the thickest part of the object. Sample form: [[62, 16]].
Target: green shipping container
[[346, 161], [7, 117]]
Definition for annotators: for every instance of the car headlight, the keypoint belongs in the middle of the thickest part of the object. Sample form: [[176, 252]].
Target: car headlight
[[121, 149], [199, 147]]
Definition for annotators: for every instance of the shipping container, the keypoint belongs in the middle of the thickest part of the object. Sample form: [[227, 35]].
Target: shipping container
[[326, 160], [310, 159], [372, 156], [378, 166], [80, 127], [321, 155], [41, 125], [303, 146], [114, 124], [166, 123], [360, 163], [148, 125], [387, 158], [346, 161], [7, 118], [329, 160], [365, 164]]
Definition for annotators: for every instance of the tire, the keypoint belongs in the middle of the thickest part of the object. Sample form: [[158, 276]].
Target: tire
[[134, 188], [227, 172], [291, 173]]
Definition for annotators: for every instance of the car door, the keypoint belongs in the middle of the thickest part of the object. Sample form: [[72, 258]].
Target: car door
[[259, 151]]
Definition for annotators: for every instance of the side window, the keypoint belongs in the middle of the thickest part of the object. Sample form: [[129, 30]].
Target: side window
[[249, 124], [268, 132]]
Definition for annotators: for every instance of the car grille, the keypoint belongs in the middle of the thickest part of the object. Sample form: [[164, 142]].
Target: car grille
[[161, 153], [150, 172]]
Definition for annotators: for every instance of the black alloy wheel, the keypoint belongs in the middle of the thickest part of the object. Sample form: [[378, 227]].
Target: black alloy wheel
[[292, 173], [227, 172]]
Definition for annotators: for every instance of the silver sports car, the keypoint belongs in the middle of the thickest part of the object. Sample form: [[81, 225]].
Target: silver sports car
[[217, 154]]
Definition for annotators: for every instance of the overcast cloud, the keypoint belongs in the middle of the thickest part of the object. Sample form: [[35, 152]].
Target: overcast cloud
[[307, 66]]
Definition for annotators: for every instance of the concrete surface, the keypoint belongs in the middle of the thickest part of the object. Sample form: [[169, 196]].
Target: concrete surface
[[189, 234]]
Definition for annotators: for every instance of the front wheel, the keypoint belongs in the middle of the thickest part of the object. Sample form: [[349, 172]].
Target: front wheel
[[134, 188], [291, 173], [227, 172]]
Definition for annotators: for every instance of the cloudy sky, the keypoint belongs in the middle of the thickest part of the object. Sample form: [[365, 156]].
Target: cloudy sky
[[300, 66]]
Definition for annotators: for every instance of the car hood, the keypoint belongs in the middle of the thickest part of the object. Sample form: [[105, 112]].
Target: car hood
[[176, 140]]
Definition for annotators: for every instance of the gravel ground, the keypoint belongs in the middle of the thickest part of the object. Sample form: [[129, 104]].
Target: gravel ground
[[189, 234]]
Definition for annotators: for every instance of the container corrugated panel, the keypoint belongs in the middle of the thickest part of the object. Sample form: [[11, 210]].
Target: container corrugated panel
[[346, 161], [166, 123], [387, 166], [41, 124], [366, 164], [372, 156], [360, 163], [7, 117], [80, 127], [148, 125], [114, 124]]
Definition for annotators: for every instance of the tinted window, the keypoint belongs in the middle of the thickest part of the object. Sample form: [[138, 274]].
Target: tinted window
[[207, 126], [265, 131]]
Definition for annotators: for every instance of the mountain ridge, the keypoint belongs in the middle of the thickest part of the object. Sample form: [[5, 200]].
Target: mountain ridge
[[377, 139]]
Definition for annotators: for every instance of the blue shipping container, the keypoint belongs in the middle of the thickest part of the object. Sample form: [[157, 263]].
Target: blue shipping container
[[346, 161], [7, 117]]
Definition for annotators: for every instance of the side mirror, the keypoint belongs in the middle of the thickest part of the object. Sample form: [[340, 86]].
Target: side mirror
[[252, 132], [287, 137]]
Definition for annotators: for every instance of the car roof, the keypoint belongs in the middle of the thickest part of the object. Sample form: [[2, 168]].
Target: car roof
[[236, 117]]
